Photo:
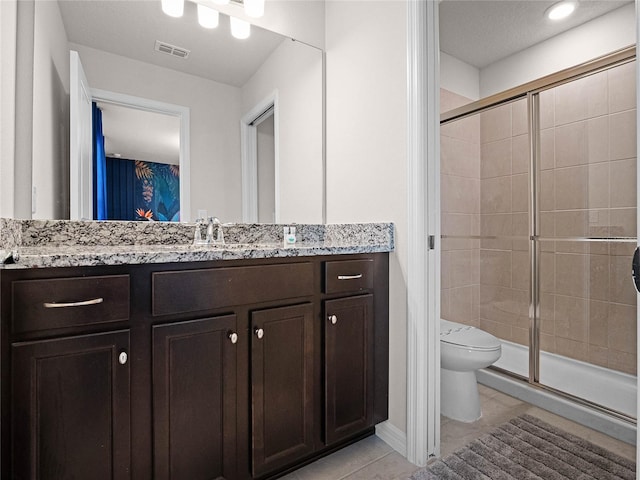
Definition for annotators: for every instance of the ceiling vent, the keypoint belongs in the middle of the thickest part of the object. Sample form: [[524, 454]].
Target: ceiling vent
[[169, 49]]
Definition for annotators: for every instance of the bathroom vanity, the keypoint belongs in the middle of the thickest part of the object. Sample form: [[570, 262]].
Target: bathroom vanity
[[170, 363]]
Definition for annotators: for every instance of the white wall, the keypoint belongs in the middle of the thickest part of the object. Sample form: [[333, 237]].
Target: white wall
[[215, 138], [366, 92], [50, 113], [294, 70], [598, 37], [459, 77], [8, 18]]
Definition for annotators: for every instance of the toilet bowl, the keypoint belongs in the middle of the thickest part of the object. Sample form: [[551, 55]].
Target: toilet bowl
[[463, 350]]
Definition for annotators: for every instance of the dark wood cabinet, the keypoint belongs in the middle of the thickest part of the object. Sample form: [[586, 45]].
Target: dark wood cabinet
[[282, 403], [70, 408], [227, 370], [349, 366], [194, 399]]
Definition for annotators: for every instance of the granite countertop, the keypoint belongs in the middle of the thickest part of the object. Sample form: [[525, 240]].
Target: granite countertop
[[37, 244]]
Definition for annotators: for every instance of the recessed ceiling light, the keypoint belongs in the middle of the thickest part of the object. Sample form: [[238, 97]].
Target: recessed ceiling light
[[561, 10]]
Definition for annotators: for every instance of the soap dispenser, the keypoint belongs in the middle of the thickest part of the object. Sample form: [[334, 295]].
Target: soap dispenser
[[289, 236]]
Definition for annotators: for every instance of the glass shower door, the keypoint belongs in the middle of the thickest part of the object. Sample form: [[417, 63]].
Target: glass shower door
[[485, 227], [585, 237]]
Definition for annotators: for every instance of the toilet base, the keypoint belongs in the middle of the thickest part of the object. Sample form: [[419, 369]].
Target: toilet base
[[459, 398]]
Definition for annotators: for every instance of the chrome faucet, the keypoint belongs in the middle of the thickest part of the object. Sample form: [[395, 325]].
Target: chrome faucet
[[213, 222]]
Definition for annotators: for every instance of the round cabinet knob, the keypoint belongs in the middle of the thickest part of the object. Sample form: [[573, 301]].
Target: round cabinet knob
[[122, 358], [233, 336], [333, 319], [259, 333]]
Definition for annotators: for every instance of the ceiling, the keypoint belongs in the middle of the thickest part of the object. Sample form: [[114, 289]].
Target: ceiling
[[140, 135], [467, 31], [481, 32], [131, 27]]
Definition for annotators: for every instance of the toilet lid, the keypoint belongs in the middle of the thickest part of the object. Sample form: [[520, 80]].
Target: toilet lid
[[466, 336]]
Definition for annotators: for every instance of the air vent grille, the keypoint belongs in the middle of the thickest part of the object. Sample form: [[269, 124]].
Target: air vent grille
[[169, 49]]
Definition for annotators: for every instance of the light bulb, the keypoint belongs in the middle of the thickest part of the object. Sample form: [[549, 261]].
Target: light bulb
[[560, 10], [254, 8], [173, 8], [239, 28], [208, 17]]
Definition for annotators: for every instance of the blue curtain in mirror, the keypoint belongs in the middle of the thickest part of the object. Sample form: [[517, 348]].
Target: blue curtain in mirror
[[99, 167], [121, 189]]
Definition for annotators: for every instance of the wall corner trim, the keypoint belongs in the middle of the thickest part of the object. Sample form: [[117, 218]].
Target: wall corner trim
[[423, 207], [392, 436]]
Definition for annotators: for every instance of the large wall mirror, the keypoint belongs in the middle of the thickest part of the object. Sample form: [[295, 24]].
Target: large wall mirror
[[222, 91]]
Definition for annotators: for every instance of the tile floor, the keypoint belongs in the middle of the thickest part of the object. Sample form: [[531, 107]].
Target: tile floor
[[373, 459]]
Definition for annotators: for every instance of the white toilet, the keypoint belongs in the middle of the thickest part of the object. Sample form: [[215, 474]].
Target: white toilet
[[463, 350]]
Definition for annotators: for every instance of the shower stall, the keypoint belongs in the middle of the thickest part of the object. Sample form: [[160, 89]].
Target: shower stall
[[538, 199]]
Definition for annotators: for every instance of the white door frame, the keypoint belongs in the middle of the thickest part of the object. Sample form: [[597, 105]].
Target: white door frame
[[249, 157], [183, 114], [83, 188], [423, 271]]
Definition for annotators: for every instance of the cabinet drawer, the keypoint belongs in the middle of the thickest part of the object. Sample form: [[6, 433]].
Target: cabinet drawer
[[198, 290], [348, 276], [69, 302]]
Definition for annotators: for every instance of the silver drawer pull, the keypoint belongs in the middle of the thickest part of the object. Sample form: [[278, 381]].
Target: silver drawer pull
[[93, 301], [349, 277]]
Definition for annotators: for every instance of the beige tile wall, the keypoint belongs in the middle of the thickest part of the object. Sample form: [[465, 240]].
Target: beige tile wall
[[504, 207], [460, 179], [587, 187]]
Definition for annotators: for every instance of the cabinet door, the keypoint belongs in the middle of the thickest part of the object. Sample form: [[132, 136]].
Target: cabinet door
[[70, 404], [194, 399], [282, 386], [349, 372]]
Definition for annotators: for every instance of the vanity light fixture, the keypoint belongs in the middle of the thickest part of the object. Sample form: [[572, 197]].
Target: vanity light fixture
[[208, 17], [561, 10], [239, 28], [173, 8]]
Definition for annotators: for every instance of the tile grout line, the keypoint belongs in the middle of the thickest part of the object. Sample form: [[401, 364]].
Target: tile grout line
[[365, 465]]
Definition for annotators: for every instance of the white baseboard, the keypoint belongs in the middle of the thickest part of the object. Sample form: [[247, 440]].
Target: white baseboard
[[392, 436]]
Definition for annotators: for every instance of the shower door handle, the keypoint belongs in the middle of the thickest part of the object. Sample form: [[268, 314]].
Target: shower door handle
[[635, 268]]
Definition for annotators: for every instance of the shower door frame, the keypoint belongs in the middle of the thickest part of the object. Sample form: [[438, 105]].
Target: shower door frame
[[531, 91]]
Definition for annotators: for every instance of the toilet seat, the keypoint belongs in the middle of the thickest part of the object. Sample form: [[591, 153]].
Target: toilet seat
[[467, 337]]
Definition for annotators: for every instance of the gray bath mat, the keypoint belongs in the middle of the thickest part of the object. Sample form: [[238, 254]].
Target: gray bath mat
[[527, 448]]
